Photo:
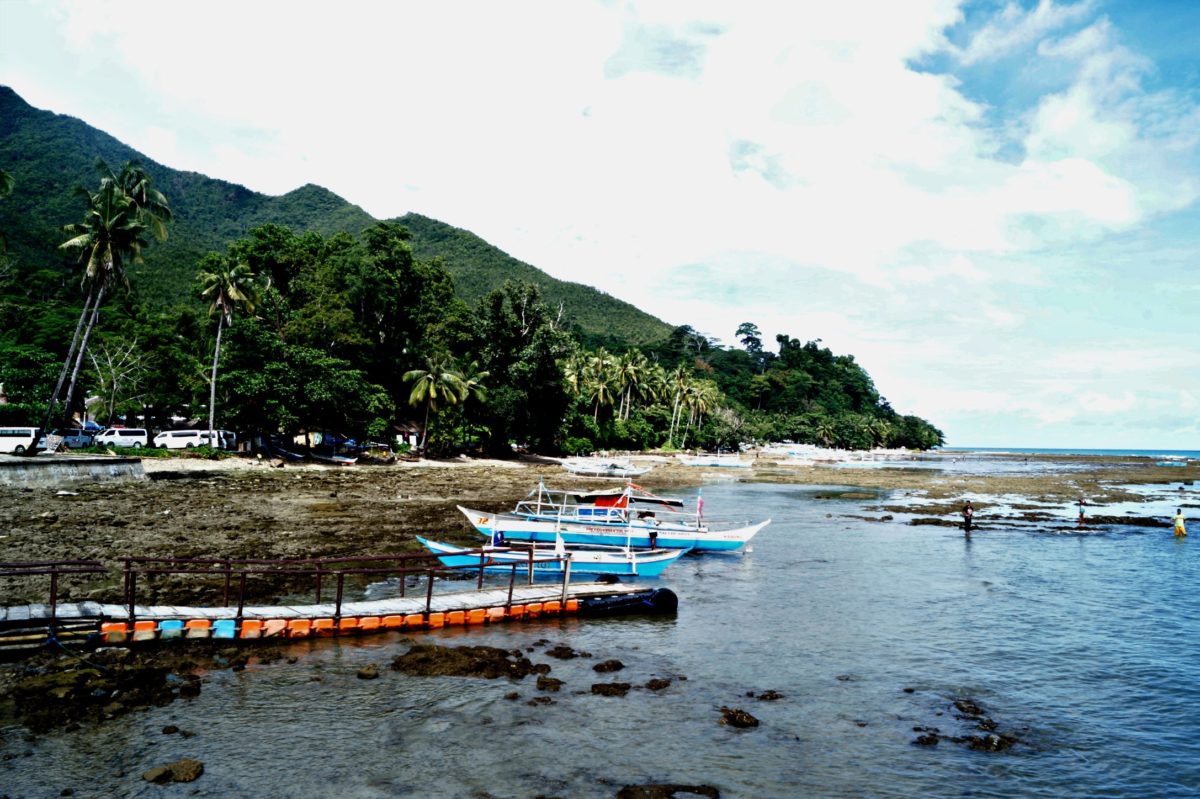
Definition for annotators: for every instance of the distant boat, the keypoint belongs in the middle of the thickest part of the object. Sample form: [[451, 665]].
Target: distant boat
[[723, 461], [628, 516], [602, 467], [551, 558], [336, 460]]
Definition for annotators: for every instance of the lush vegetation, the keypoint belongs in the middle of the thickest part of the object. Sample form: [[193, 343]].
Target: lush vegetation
[[361, 326]]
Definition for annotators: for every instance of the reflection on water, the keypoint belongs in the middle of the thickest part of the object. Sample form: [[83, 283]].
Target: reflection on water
[[1084, 647]]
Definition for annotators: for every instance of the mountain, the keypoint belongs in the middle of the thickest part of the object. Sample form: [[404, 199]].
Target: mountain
[[52, 154]]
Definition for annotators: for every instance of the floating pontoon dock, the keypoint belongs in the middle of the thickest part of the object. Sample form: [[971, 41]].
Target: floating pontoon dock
[[25, 626]]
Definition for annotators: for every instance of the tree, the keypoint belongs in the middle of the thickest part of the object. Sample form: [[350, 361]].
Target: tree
[[7, 182], [117, 367], [227, 287], [438, 382], [113, 232]]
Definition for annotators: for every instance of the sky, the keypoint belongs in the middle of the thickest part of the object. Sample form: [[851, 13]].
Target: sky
[[994, 206]]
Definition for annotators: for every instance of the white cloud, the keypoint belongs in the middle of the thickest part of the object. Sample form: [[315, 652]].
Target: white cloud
[[710, 163], [1014, 27]]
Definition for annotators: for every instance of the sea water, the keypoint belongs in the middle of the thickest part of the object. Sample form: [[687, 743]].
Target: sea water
[[1085, 647]]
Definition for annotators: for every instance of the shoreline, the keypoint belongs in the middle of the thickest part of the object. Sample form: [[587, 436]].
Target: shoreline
[[243, 507]]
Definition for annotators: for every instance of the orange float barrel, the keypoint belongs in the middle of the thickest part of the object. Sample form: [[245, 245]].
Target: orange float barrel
[[436, 620], [533, 610], [456, 617], [197, 628], [273, 628], [114, 632], [552, 607], [145, 630], [347, 626], [322, 628], [252, 628], [476, 616], [392, 622], [516, 612], [495, 614], [369, 624], [414, 621], [572, 606], [299, 628]]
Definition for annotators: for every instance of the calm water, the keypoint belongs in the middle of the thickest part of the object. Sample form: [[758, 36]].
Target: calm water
[[1087, 646]]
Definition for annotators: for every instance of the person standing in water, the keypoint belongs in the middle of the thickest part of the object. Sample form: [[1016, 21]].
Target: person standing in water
[[1080, 514], [1180, 530], [968, 514]]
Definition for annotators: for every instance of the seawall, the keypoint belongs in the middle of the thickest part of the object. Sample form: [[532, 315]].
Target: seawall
[[53, 470]]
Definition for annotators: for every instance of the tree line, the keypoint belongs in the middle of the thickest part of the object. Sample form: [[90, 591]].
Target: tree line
[[290, 331]]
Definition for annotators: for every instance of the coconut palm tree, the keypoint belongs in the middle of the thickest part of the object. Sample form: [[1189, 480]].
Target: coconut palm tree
[[678, 382], [826, 433], [227, 288], [599, 381], [113, 232], [438, 382], [472, 389]]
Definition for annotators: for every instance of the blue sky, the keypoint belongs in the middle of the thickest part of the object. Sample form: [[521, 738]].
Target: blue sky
[[992, 205]]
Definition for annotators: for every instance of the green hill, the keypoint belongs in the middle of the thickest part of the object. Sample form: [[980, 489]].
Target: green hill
[[51, 154]]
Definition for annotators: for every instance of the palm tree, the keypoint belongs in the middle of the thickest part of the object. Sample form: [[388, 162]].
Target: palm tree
[[472, 388], [112, 233], [438, 381], [599, 379], [678, 382], [227, 288], [826, 433]]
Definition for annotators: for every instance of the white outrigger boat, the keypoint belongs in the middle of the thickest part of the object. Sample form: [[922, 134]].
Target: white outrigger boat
[[552, 558], [629, 516], [601, 467]]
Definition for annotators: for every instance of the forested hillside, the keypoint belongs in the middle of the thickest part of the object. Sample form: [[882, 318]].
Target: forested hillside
[[153, 294]]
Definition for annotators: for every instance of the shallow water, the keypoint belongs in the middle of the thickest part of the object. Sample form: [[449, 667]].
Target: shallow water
[[1085, 647]]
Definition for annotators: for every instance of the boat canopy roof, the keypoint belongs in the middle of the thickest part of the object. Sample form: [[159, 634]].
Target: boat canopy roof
[[613, 497]]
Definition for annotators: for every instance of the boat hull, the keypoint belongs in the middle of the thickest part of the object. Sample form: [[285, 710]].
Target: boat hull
[[633, 564], [637, 535]]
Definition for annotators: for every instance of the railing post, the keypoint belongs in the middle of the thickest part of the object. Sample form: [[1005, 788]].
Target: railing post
[[512, 581], [566, 578], [479, 582], [128, 568], [429, 593], [241, 599], [53, 596], [531, 548], [132, 594], [337, 608]]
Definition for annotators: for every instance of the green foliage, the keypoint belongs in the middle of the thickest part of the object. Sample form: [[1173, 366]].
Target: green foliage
[[345, 307]]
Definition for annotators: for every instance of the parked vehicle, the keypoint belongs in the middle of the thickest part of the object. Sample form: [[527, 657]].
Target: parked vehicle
[[183, 439], [123, 437], [72, 438], [18, 440]]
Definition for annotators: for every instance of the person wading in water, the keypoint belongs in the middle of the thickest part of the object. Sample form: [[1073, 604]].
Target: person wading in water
[[968, 514]]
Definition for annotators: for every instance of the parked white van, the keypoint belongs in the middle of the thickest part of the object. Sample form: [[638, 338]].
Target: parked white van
[[183, 439], [123, 437], [18, 440]]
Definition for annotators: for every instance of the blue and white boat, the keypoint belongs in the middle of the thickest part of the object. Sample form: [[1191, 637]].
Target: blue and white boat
[[552, 559], [629, 516]]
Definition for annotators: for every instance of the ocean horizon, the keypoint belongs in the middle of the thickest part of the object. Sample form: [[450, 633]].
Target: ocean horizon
[[1143, 453]]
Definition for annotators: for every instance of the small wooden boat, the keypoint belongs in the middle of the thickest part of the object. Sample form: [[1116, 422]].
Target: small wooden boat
[[551, 559], [601, 467], [628, 516]]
